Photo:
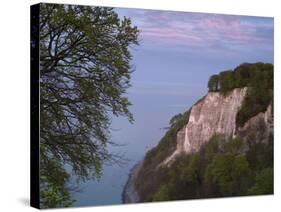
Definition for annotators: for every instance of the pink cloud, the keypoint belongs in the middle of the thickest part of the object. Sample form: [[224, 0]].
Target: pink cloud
[[192, 29], [175, 35]]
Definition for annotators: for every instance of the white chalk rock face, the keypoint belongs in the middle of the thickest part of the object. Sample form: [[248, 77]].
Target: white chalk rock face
[[215, 114]]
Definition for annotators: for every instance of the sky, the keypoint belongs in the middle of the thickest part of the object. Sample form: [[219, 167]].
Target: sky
[[212, 33], [178, 52]]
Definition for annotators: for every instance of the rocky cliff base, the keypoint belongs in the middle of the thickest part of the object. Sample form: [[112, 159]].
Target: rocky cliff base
[[129, 194]]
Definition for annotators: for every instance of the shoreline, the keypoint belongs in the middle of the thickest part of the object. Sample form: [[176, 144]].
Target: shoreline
[[129, 193]]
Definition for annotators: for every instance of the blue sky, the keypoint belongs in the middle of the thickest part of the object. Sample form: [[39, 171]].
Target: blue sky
[[178, 52], [213, 32]]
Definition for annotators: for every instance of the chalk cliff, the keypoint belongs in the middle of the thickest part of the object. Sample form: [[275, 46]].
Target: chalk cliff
[[214, 114], [237, 113], [234, 120]]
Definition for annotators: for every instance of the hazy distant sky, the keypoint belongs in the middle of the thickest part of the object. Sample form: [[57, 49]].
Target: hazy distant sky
[[211, 33], [178, 52]]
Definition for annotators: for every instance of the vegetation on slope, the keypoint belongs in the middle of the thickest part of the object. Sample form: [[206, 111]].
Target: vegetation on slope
[[224, 166], [148, 178], [258, 77], [156, 155], [260, 92]]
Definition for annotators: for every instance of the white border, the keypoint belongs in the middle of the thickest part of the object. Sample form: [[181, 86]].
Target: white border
[[14, 111]]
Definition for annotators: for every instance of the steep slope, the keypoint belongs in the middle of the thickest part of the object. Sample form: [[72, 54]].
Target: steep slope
[[129, 194], [215, 114], [258, 128], [221, 146]]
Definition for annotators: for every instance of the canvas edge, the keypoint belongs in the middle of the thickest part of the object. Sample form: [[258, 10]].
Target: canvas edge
[[34, 106]]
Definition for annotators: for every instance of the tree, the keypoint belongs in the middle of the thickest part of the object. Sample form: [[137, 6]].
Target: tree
[[175, 119], [214, 83], [241, 175], [162, 194], [227, 81], [242, 75], [230, 173], [190, 178], [190, 173], [259, 77], [214, 146], [264, 183], [84, 73], [218, 173]]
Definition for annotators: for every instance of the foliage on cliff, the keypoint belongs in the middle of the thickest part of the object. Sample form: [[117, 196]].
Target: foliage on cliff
[[258, 77], [156, 155], [223, 167], [259, 94]]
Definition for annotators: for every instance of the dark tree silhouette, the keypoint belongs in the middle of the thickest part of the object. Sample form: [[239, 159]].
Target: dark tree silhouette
[[226, 81], [213, 83], [84, 73]]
